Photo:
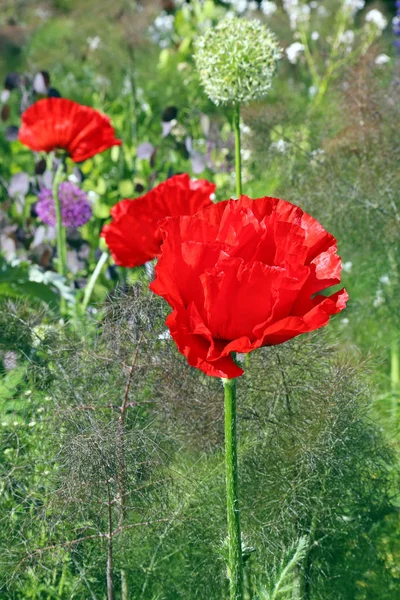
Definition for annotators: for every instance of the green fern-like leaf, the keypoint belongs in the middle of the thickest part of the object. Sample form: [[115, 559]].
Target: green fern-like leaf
[[281, 581]]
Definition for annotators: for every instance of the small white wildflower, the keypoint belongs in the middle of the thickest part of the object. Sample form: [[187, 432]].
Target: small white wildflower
[[315, 36], [297, 12], [165, 335], [312, 91], [268, 8], [379, 299], [164, 22], [345, 321], [46, 472], [245, 153], [253, 5], [239, 6], [73, 178], [93, 42], [322, 11], [313, 4], [42, 13], [375, 17], [382, 59], [102, 81], [280, 146], [353, 6], [385, 279], [5, 94], [32, 424], [293, 52], [15, 423], [347, 266], [347, 37], [92, 196]]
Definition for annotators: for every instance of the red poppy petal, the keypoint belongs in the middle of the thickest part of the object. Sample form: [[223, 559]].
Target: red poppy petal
[[318, 316], [131, 241], [239, 296], [195, 348]]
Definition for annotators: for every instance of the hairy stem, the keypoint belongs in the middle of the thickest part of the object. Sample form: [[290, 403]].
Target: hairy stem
[[232, 498], [122, 464], [109, 574], [238, 157]]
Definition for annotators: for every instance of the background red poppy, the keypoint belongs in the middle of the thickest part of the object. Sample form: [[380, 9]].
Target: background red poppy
[[53, 123], [133, 236]]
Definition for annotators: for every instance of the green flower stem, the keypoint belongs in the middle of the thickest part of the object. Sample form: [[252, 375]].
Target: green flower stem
[[395, 373], [92, 281], [232, 500], [61, 234], [238, 157]]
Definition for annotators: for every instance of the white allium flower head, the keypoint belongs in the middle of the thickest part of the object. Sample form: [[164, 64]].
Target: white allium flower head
[[375, 17], [293, 52], [268, 8], [236, 60], [382, 59]]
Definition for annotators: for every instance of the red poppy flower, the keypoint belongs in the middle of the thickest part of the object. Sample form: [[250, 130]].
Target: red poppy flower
[[133, 237], [242, 274], [60, 123]]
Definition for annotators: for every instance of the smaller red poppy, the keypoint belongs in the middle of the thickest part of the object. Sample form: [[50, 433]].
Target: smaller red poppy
[[59, 123], [133, 236]]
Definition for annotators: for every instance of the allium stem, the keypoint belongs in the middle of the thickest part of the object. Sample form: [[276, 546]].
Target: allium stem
[[232, 499], [61, 234], [238, 157]]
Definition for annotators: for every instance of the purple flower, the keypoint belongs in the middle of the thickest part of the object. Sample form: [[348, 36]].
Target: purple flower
[[75, 206]]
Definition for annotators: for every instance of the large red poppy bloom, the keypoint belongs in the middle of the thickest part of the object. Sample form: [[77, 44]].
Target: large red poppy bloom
[[242, 274], [133, 236], [54, 123]]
